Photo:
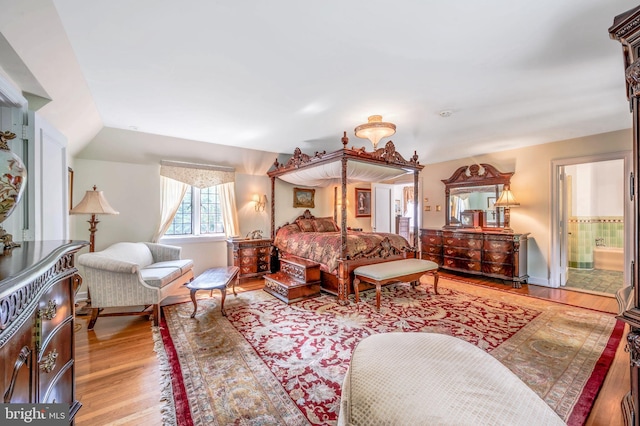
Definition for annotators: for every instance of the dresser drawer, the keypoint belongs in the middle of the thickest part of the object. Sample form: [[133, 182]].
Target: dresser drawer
[[497, 269], [462, 264], [249, 269], [248, 252], [432, 257], [431, 239], [54, 358], [497, 257], [247, 260], [434, 250], [462, 241], [54, 307], [496, 245], [463, 253]]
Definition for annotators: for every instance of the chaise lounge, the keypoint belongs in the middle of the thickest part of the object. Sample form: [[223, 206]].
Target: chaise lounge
[[133, 274]]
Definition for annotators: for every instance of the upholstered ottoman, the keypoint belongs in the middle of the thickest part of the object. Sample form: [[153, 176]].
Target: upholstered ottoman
[[435, 379], [403, 270]]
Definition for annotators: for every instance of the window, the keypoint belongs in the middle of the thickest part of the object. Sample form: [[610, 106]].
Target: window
[[199, 213]]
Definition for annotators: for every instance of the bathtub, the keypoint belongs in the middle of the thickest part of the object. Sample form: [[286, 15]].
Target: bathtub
[[609, 258]]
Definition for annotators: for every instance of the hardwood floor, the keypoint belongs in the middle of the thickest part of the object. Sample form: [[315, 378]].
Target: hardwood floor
[[118, 375]]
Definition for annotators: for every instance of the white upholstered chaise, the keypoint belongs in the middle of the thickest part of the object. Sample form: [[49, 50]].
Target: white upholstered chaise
[[435, 379]]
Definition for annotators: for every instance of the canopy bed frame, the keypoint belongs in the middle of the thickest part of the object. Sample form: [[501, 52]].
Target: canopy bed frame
[[348, 165]]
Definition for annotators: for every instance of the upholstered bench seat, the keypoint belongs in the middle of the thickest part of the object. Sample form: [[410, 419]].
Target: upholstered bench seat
[[435, 379], [404, 270]]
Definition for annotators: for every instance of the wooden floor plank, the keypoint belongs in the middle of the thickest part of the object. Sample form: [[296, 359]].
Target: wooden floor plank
[[118, 377]]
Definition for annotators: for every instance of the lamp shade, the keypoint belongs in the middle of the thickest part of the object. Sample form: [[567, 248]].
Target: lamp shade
[[93, 202], [506, 199], [375, 129]]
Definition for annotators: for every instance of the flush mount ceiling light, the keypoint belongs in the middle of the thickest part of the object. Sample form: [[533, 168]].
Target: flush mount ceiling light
[[375, 130], [445, 113]]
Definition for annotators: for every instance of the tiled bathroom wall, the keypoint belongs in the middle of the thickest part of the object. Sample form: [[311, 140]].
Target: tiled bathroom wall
[[583, 233]]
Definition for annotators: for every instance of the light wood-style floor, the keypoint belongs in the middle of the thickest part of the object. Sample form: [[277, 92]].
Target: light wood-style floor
[[118, 376]]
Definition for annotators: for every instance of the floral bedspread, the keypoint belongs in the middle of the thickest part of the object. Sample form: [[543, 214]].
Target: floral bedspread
[[324, 247]]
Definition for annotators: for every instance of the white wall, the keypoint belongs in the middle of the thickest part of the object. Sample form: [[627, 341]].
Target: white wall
[[531, 185], [598, 188]]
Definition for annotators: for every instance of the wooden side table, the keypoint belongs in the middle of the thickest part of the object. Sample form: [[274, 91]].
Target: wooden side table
[[251, 256]]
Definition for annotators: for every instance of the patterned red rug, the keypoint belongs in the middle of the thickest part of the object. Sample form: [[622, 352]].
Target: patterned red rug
[[271, 363]]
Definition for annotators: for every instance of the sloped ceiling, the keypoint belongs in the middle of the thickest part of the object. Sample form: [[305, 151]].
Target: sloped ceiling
[[276, 75]]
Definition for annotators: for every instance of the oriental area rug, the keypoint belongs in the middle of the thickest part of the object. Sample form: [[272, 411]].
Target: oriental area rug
[[268, 363]]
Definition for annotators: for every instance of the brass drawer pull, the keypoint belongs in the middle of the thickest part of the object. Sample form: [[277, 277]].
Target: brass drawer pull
[[49, 312], [48, 363]]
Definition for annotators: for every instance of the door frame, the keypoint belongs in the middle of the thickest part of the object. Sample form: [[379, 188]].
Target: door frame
[[558, 250]]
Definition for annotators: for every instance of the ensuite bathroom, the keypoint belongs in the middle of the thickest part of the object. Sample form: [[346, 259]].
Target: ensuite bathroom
[[596, 235]]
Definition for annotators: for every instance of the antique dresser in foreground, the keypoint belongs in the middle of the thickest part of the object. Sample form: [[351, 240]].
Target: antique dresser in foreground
[[37, 286]]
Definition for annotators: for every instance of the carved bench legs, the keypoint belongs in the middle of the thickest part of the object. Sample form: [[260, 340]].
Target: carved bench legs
[[410, 278]]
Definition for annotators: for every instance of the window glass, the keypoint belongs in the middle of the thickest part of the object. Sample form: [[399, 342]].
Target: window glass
[[199, 213]]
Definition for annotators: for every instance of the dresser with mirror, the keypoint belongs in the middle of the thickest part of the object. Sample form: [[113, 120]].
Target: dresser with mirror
[[476, 237]]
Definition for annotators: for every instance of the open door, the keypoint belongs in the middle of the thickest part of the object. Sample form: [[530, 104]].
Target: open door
[[382, 213], [563, 228], [572, 197]]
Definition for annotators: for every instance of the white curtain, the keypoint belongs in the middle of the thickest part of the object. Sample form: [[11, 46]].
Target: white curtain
[[229, 212], [172, 193]]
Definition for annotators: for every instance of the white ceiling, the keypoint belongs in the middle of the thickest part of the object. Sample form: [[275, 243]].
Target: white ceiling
[[281, 74]]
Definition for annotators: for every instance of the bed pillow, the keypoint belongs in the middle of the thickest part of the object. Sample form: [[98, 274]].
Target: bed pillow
[[325, 224], [305, 225]]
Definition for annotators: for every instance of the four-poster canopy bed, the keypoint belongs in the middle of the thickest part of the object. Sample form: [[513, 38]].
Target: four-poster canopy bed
[[347, 165]]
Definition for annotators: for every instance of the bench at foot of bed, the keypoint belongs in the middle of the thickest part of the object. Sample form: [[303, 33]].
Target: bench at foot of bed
[[404, 270]]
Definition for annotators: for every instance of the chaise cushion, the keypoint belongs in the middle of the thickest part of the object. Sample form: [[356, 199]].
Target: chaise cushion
[[159, 277]]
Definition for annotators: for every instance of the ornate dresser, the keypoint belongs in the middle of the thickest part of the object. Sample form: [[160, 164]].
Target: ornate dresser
[[493, 254], [37, 286], [251, 256], [626, 30]]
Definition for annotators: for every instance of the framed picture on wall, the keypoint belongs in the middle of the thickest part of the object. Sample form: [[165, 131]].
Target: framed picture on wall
[[304, 197], [363, 202]]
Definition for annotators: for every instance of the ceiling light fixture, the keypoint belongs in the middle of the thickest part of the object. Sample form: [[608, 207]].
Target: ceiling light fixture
[[445, 113], [375, 130]]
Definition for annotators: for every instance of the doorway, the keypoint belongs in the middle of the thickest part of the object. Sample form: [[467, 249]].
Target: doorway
[[590, 243]]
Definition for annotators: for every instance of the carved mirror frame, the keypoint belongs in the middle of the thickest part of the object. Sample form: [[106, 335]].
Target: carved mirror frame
[[475, 175]]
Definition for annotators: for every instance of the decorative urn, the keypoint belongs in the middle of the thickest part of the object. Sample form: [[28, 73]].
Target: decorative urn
[[13, 178]]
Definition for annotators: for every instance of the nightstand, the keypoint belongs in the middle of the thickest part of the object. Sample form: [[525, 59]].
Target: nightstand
[[251, 256]]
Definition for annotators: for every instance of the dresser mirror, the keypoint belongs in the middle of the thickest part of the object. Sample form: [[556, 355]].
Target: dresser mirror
[[470, 195]]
